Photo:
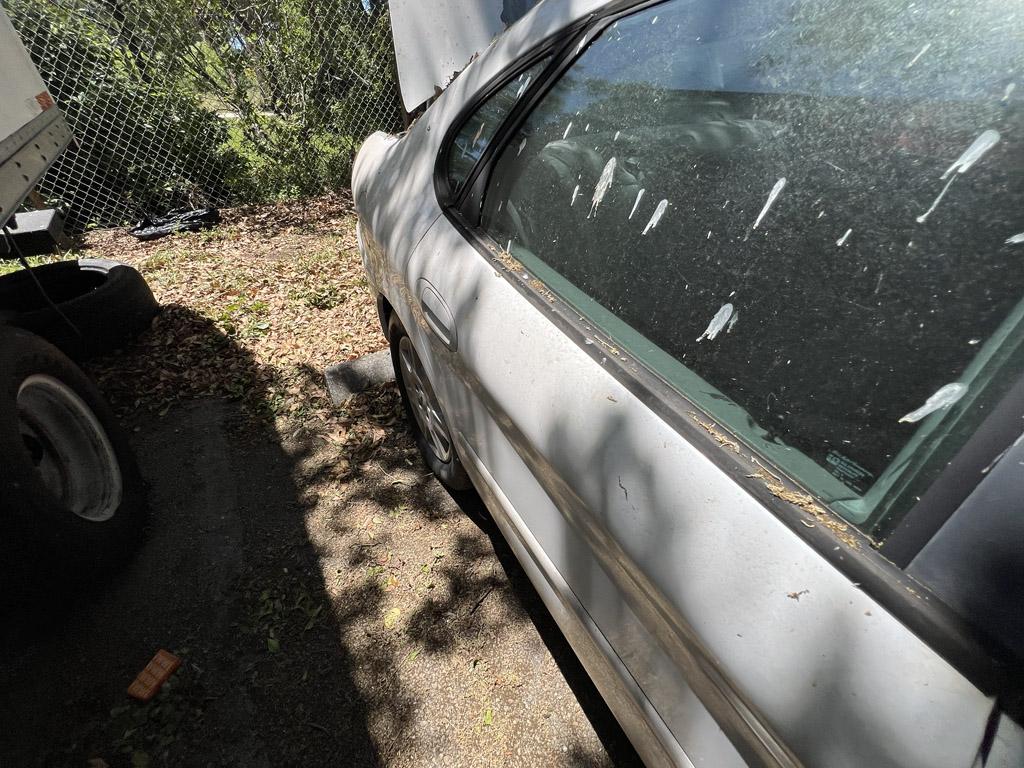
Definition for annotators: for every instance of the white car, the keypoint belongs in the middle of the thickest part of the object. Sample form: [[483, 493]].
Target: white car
[[718, 305]]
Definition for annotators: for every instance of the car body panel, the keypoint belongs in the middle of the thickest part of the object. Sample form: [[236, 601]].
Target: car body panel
[[641, 722], [456, 30], [702, 560], [749, 644]]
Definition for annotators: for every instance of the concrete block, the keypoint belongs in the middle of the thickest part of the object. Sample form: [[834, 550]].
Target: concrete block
[[354, 376]]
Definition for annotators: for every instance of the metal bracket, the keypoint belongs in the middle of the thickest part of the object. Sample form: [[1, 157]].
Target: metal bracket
[[27, 154]]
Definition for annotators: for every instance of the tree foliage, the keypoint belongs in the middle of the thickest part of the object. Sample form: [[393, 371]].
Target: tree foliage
[[177, 101]]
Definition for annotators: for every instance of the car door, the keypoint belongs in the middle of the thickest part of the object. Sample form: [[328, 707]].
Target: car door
[[713, 316]]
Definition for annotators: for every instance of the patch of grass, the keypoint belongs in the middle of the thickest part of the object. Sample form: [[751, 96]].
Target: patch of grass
[[326, 295], [166, 264], [253, 311], [13, 265], [158, 261], [244, 318], [285, 609]]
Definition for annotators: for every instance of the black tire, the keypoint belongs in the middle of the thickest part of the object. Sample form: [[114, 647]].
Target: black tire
[[109, 304], [448, 469], [41, 533]]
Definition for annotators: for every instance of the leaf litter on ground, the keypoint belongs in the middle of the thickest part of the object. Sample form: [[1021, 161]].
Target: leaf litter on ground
[[255, 310]]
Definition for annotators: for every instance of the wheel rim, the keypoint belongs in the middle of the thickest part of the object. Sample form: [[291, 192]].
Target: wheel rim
[[69, 448], [424, 405]]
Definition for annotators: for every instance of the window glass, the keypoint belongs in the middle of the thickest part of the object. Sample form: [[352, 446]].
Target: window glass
[[478, 131], [806, 215]]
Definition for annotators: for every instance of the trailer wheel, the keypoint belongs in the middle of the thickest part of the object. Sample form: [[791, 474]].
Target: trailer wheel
[[103, 304], [72, 500]]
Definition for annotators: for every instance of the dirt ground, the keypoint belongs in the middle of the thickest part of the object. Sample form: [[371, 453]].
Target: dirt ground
[[333, 605]]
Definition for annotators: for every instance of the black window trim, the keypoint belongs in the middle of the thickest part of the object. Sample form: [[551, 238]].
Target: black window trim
[[983, 660], [551, 46], [958, 480]]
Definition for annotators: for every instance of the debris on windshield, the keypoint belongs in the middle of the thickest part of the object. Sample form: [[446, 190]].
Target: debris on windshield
[[507, 260], [711, 429], [842, 240], [479, 133], [962, 164], [524, 86], [575, 194], [616, 136], [567, 129], [542, 289], [771, 199], [636, 203], [603, 184], [656, 217], [774, 485], [1015, 239], [996, 460], [924, 216], [717, 323], [944, 398], [920, 53], [973, 153]]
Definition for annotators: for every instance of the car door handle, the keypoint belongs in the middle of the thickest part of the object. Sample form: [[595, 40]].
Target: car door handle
[[437, 315]]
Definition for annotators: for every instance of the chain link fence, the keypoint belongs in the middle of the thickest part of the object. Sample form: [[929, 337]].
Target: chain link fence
[[186, 103]]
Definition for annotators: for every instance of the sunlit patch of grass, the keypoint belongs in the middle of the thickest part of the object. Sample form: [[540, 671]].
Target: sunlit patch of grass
[[13, 265], [322, 296], [244, 317]]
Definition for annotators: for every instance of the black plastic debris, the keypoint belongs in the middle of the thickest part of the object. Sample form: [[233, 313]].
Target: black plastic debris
[[180, 220]]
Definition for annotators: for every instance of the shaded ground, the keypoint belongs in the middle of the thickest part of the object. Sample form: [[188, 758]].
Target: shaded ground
[[333, 605]]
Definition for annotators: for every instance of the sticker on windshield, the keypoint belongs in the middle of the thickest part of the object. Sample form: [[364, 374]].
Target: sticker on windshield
[[849, 471]]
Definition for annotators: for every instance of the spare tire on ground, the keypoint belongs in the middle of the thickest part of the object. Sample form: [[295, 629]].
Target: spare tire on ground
[[72, 501], [102, 304]]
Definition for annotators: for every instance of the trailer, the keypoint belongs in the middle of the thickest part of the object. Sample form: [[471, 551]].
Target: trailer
[[71, 497]]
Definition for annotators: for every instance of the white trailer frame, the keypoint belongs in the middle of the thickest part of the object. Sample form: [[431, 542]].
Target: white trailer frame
[[33, 131]]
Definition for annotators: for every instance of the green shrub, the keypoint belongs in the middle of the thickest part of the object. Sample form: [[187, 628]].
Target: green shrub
[[175, 103]]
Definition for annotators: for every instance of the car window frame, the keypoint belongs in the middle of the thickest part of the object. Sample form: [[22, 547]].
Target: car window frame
[[552, 47], [984, 661]]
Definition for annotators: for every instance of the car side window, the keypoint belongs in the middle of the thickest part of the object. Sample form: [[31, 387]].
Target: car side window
[[478, 131], [805, 216]]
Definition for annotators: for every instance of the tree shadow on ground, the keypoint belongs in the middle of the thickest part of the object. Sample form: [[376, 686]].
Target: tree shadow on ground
[[482, 592], [226, 578], [263, 568], [608, 730]]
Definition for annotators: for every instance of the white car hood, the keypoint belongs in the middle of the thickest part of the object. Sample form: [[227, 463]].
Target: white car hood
[[435, 39]]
